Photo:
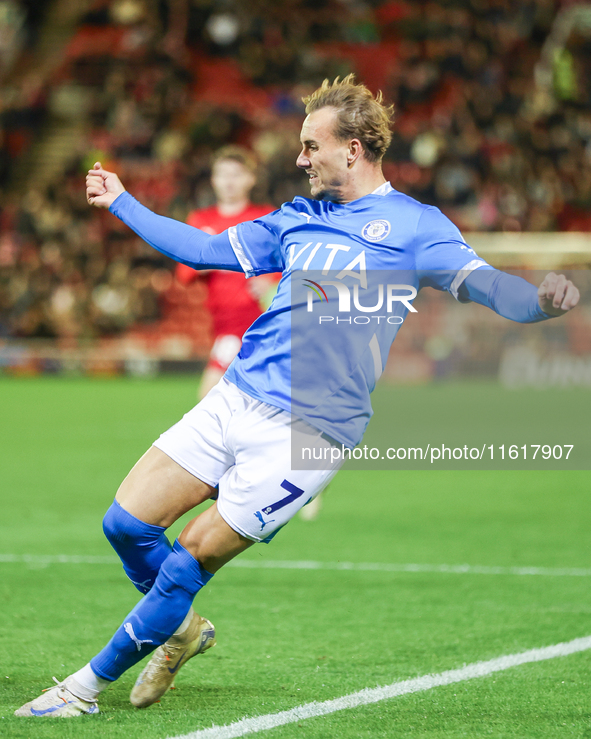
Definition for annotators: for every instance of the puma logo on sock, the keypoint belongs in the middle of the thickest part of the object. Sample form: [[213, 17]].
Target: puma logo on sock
[[138, 642]]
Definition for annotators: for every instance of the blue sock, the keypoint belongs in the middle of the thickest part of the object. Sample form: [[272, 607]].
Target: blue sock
[[156, 617], [142, 547]]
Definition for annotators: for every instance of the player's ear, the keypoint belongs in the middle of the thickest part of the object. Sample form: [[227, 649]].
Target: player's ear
[[354, 152]]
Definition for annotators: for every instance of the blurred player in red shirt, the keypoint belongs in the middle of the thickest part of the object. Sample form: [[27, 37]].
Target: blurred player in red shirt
[[233, 301]]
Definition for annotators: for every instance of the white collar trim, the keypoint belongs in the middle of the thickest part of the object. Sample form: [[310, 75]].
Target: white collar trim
[[383, 189]]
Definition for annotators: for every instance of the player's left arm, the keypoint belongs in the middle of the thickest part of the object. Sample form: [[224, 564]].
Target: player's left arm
[[515, 298], [446, 262]]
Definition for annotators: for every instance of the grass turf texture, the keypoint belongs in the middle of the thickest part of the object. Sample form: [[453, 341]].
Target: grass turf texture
[[287, 637]]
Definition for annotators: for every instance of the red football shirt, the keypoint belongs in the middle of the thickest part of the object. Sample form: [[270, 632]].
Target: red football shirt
[[230, 300]]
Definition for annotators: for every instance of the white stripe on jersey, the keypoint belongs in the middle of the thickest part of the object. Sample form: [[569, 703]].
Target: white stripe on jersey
[[463, 274], [377, 357], [239, 251]]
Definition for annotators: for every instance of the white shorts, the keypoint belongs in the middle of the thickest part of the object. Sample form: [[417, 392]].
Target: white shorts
[[244, 446]]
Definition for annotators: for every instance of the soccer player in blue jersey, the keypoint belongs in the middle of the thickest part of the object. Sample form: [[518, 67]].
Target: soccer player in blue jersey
[[294, 377]]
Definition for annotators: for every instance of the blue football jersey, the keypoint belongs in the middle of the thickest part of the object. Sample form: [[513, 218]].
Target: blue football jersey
[[350, 274]]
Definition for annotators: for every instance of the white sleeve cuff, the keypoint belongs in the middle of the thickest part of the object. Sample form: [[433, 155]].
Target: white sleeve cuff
[[462, 274], [239, 251]]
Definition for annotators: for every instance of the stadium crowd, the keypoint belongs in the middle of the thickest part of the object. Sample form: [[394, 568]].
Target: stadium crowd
[[152, 89]]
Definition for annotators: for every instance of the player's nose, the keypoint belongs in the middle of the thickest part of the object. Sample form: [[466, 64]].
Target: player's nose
[[303, 162]]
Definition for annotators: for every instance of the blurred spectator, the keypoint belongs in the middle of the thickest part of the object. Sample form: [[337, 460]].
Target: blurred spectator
[[233, 302], [12, 32]]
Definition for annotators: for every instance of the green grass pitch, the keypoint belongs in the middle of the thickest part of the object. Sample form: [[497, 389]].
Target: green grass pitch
[[287, 637]]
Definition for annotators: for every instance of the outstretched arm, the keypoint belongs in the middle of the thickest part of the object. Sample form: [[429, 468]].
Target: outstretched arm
[[177, 240], [517, 299]]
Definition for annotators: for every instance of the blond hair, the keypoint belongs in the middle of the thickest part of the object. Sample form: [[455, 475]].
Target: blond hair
[[360, 115], [235, 153]]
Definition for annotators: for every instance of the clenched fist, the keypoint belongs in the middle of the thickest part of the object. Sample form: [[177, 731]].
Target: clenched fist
[[102, 187], [557, 295]]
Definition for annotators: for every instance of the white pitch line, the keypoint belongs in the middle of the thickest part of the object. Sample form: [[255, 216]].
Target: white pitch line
[[387, 567], [375, 695], [280, 564], [59, 559]]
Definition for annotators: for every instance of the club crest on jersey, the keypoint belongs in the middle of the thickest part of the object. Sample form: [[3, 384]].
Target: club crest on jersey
[[376, 230]]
